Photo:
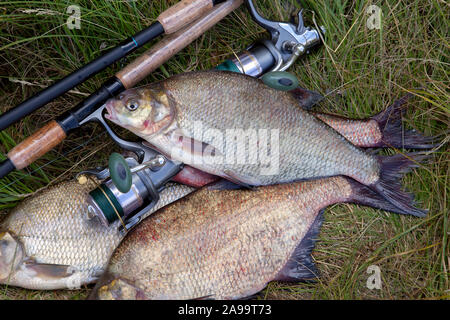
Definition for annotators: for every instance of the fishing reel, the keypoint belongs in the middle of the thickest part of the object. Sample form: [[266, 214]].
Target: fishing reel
[[288, 42], [130, 187]]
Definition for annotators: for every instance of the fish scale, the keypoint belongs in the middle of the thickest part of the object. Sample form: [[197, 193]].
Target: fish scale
[[52, 229], [241, 242], [223, 101]]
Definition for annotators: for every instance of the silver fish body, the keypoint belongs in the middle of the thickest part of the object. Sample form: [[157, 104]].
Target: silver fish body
[[49, 241], [236, 127], [304, 146]]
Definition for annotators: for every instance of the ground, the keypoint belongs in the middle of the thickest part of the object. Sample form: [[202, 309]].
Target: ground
[[365, 64]]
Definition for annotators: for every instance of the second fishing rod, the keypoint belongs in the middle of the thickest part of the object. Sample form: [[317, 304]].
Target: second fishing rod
[[288, 41]]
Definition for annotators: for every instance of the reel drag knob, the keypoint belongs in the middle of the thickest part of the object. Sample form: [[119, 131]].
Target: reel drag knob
[[280, 80], [120, 172]]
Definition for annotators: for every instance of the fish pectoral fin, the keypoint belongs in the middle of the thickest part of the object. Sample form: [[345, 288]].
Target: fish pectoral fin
[[208, 297], [48, 271], [300, 266], [241, 180], [198, 148], [190, 145]]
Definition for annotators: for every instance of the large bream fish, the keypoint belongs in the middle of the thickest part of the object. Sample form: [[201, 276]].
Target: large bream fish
[[234, 126], [227, 244]]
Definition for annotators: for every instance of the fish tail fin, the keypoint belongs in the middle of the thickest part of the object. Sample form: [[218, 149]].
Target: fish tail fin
[[389, 185], [390, 124], [364, 195]]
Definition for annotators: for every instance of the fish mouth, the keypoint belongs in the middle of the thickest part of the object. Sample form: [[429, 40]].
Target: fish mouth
[[111, 114]]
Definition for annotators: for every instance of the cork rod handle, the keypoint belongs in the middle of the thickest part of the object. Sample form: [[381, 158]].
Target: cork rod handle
[[183, 13], [36, 145], [170, 45]]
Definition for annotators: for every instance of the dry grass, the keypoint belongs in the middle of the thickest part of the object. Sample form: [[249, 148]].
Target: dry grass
[[360, 70]]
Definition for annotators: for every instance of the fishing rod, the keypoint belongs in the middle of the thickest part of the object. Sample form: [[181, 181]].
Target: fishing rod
[[168, 22], [57, 130], [131, 185]]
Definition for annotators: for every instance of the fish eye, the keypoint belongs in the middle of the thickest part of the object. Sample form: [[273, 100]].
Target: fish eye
[[132, 105]]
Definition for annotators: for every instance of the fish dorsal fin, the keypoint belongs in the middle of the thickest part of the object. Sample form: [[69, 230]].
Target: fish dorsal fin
[[300, 265], [306, 98]]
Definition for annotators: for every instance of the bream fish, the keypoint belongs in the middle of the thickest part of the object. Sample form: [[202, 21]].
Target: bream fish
[[49, 241], [56, 246], [227, 244], [219, 122]]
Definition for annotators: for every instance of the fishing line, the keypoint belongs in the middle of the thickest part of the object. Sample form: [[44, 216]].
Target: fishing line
[[113, 206], [99, 186]]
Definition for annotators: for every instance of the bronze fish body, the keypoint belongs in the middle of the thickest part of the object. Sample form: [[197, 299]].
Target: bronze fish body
[[227, 244], [189, 116]]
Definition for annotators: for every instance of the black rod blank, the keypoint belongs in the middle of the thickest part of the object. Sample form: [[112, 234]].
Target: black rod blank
[[69, 82]]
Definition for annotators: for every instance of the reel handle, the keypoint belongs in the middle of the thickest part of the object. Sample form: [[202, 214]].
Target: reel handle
[[120, 172]]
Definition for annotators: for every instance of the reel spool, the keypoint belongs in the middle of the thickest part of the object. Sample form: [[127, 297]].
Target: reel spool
[[120, 172]]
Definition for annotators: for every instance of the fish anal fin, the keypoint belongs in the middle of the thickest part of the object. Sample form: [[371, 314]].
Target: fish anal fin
[[300, 266]]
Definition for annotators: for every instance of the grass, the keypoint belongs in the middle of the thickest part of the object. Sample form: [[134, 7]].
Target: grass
[[360, 70]]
